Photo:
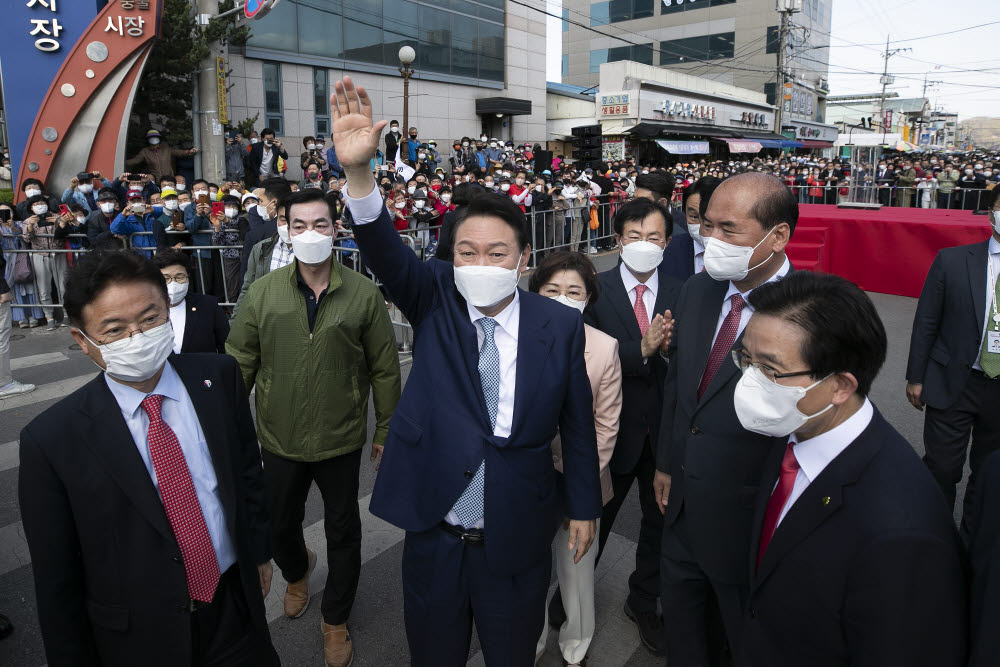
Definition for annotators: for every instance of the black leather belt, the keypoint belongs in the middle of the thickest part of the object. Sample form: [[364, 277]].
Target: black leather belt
[[984, 375], [475, 537]]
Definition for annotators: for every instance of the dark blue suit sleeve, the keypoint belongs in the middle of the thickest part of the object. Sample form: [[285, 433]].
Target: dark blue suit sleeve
[[410, 282], [926, 321], [581, 471]]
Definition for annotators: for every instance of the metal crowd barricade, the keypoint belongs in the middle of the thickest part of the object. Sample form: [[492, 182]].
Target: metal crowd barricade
[[563, 222], [928, 195], [56, 269]]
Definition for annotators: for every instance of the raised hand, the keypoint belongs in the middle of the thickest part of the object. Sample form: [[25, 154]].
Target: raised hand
[[354, 135]]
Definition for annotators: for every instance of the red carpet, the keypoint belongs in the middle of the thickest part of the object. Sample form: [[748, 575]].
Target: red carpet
[[887, 251]]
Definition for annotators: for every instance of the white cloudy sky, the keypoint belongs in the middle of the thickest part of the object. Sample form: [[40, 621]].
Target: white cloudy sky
[[960, 60]]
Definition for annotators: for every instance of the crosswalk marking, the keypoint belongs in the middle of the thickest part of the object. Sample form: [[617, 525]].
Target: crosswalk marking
[[21, 363], [9, 455], [378, 536], [46, 392]]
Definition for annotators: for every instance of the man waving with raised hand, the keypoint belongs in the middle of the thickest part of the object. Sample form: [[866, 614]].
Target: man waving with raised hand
[[474, 487]]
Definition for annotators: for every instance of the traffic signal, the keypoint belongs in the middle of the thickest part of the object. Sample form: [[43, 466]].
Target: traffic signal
[[587, 145]]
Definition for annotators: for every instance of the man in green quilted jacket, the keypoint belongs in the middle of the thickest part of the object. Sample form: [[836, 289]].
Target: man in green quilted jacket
[[315, 339]]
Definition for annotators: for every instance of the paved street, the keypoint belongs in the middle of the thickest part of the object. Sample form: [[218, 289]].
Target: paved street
[[51, 361]]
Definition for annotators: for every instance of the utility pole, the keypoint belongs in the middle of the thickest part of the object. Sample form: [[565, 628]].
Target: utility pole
[[212, 157], [886, 81], [785, 8]]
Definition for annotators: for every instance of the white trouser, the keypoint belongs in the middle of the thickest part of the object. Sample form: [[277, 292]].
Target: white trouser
[[576, 582], [5, 324], [47, 268]]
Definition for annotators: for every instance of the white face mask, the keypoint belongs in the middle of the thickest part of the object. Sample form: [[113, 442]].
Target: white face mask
[[400, 205], [505, 186], [283, 233], [199, 193], [725, 261], [154, 141], [572, 303], [465, 144], [485, 286], [181, 187], [170, 205], [446, 198], [80, 219], [996, 221], [268, 142], [418, 204], [232, 213], [411, 189], [182, 206], [311, 247], [262, 212], [254, 140], [177, 292], [32, 192], [40, 209], [138, 358], [769, 408], [538, 188], [107, 207], [87, 188], [642, 256], [519, 181], [394, 129], [488, 184], [311, 147], [694, 231]]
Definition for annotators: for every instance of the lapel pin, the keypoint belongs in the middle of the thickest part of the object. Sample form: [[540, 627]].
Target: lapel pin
[[193, 308], [825, 500], [208, 385]]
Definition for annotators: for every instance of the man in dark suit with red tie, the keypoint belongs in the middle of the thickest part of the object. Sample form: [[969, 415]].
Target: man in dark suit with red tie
[[855, 560], [147, 524], [708, 466]]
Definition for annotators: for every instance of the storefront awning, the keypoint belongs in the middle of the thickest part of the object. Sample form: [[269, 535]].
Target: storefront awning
[[683, 147], [654, 129], [807, 143], [783, 143], [743, 146]]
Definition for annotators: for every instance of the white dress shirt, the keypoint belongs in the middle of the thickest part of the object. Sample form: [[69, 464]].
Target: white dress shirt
[[991, 291], [747, 308], [178, 320], [368, 208], [699, 256], [815, 454], [179, 414], [649, 296]]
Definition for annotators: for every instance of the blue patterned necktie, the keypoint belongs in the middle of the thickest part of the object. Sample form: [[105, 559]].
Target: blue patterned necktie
[[469, 507]]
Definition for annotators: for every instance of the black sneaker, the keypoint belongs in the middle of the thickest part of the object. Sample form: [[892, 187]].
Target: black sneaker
[[650, 626], [557, 615]]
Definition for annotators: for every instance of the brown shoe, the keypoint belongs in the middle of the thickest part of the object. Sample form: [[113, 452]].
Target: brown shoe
[[297, 593], [337, 648]]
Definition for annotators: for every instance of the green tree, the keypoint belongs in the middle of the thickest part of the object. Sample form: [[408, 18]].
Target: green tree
[[164, 97]]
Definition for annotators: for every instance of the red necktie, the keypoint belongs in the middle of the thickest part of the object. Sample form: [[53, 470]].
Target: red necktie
[[789, 469], [181, 504], [640, 309], [723, 343]]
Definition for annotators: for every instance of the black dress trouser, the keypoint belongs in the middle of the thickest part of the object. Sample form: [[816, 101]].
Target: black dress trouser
[[288, 484]]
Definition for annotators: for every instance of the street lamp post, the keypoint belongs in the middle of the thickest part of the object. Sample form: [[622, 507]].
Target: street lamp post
[[406, 56]]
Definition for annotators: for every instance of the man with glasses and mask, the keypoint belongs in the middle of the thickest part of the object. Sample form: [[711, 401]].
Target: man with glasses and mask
[[854, 559], [147, 526], [708, 466], [270, 194], [315, 339], [476, 491]]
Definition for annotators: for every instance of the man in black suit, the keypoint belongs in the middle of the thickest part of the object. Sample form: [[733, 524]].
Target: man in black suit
[[984, 554], [199, 323], [707, 464], [685, 256], [885, 177], [952, 368], [262, 162], [268, 209], [854, 560], [637, 297], [147, 524]]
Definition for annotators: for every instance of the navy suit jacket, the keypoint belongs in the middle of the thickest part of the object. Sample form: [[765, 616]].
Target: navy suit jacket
[[984, 552], [206, 328], [678, 258], [440, 431], [865, 569]]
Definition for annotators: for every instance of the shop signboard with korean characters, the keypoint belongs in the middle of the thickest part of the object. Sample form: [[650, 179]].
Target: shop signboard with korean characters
[[693, 113], [618, 105], [70, 69]]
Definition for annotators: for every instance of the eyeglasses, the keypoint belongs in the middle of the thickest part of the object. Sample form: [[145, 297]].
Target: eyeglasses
[[742, 361], [180, 278], [119, 334]]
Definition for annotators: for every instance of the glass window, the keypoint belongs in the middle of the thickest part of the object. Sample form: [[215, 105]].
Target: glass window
[[491, 51], [399, 28], [565, 64], [363, 30], [600, 13], [321, 100], [703, 47], [772, 39], [638, 53], [565, 20], [464, 31], [278, 31], [673, 6], [320, 28], [597, 58], [434, 53], [272, 97]]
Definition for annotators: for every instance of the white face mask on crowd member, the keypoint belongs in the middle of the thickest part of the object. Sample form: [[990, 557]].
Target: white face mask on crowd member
[[177, 292], [766, 407], [32, 192], [86, 188], [107, 207], [283, 233], [312, 247], [40, 208], [170, 204], [725, 261], [311, 146], [183, 205], [232, 212], [446, 198]]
